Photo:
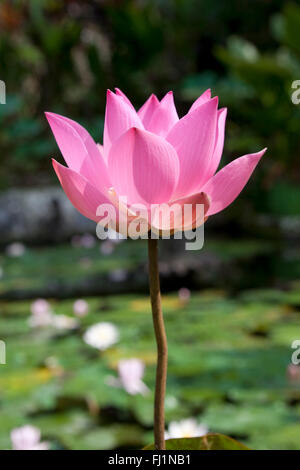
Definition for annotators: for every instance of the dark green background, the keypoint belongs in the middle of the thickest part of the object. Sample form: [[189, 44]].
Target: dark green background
[[230, 346]]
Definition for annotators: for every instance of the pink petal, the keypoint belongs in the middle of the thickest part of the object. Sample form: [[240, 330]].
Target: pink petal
[[143, 167], [193, 138], [127, 100], [206, 96], [79, 150], [147, 110], [119, 117], [219, 142], [165, 219], [164, 116], [225, 186], [82, 194]]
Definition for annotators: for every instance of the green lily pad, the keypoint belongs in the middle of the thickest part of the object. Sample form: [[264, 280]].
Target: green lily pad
[[207, 442]]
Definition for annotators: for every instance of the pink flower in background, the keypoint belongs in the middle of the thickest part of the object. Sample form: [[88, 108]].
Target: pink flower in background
[[293, 373], [131, 372], [80, 308], [87, 240], [43, 316], [40, 306], [41, 313], [27, 438], [151, 157], [83, 241], [107, 247], [184, 295]]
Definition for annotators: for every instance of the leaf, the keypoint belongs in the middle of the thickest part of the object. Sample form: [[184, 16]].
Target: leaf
[[207, 442]]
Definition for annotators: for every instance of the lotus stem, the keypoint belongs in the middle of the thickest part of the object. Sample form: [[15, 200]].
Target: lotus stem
[[162, 346]]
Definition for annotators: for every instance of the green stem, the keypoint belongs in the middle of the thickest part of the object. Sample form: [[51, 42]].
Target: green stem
[[162, 346]]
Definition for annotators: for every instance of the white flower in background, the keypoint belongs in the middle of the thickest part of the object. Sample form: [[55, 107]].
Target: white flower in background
[[40, 320], [41, 314], [185, 428], [101, 335], [15, 249], [131, 372], [64, 322], [27, 438], [80, 308]]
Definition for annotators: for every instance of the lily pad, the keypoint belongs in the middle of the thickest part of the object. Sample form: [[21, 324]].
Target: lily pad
[[207, 442]]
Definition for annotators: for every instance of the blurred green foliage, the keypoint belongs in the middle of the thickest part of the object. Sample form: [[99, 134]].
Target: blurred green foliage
[[62, 55], [228, 352], [231, 378]]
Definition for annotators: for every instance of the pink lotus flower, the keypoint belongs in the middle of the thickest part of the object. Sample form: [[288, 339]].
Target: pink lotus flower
[[151, 157]]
